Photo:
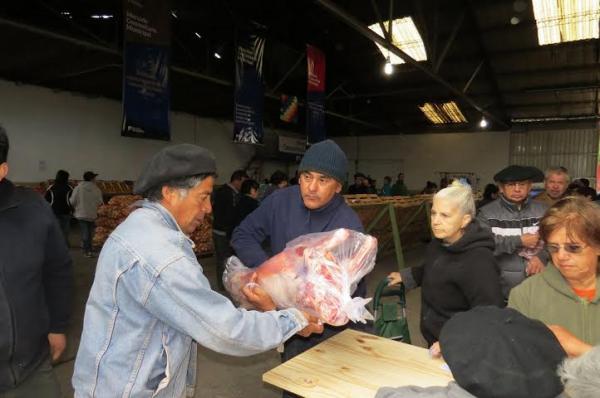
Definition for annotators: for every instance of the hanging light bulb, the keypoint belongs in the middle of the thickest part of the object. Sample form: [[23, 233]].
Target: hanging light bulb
[[388, 68], [483, 123]]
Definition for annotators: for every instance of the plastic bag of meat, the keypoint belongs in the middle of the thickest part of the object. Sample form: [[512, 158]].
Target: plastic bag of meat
[[316, 273]]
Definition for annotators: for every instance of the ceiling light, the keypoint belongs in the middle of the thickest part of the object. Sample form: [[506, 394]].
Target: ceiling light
[[101, 16], [388, 68], [483, 123], [566, 20], [198, 35], [445, 113], [217, 55], [405, 36], [66, 14], [174, 14], [515, 20]]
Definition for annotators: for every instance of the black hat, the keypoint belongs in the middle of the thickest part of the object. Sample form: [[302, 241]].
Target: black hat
[[89, 175], [500, 353], [173, 162], [519, 173]]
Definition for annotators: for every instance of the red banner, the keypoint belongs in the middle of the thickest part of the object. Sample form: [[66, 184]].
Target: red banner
[[315, 96]]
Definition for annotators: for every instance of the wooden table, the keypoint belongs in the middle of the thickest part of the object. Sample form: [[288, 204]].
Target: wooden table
[[355, 364]]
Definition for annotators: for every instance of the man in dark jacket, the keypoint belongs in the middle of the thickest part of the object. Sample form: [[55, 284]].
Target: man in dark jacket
[[224, 201], [313, 206], [514, 220], [35, 290]]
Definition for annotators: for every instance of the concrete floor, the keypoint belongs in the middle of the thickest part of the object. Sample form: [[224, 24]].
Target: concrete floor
[[221, 376]]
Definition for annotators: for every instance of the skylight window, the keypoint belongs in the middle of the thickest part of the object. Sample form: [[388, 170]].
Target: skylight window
[[405, 36], [445, 113], [566, 20]]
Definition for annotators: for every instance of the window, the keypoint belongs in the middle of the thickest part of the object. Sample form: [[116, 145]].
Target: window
[[566, 20], [445, 113], [405, 36]]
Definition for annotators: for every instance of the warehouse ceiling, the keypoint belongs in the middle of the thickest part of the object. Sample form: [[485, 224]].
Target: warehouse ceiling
[[483, 55]]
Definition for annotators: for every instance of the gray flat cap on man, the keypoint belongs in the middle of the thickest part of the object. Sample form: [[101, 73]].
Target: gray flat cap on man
[[173, 162]]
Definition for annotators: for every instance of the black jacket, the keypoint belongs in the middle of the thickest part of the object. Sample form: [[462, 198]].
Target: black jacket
[[224, 201], [58, 197], [245, 206], [35, 282], [455, 278]]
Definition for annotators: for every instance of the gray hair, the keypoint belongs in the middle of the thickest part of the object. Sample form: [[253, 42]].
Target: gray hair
[[580, 375], [183, 185], [460, 194], [557, 170]]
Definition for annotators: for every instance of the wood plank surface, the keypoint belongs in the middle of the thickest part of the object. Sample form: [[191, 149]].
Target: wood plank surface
[[354, 364]]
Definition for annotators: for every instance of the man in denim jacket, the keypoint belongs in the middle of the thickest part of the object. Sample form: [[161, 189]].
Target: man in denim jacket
[[151, 303]]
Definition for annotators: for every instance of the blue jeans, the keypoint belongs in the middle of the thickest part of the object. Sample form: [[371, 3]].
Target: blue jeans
[[64, 220], [87, 233]]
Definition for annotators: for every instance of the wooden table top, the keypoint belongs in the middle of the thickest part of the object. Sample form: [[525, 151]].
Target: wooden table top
[[356, 364]]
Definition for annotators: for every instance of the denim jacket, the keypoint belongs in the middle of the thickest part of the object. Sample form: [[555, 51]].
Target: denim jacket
[[149, 305]]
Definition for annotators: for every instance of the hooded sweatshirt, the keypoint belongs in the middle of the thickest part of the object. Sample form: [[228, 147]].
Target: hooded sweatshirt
[[85, 199], [455, 278]]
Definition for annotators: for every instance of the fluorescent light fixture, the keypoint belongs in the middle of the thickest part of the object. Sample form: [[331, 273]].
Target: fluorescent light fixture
[[445, 113], [174, 14], [388, 68], [483, 123], [198, 35], [66, 14], [101, 16], [405, 36], [566, 20], [217, 55]]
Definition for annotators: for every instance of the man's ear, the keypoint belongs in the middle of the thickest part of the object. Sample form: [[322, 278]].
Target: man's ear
[[3, 170], [338, 187], [170, 195]]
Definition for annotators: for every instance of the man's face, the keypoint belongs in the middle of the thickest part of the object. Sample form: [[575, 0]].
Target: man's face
[[189, 211], [317, 189], [358, 181], [3, 170], [238, 183], [516, 191], [556, 184]]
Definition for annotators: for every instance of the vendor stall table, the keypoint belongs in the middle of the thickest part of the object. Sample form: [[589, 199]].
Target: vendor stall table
[[356, 364]]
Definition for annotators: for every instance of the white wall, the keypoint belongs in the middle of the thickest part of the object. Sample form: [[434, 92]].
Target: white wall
[[58, 130], [421, 156]]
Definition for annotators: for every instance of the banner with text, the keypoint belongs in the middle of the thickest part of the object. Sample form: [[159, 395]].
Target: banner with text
[[146, 88], [249, 88], [315, 96]]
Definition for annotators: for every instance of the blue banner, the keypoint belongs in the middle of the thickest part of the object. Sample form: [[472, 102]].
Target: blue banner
[[249, 89], [146, 87]]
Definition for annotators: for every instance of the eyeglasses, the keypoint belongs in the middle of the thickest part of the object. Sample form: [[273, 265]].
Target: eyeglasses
[[572, 248]]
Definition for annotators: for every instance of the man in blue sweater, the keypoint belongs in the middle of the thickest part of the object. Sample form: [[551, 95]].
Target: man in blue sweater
[[315, 205]]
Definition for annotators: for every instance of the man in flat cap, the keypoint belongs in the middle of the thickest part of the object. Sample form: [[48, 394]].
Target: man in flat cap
[[150, 303], [315, 205], [514, 220]]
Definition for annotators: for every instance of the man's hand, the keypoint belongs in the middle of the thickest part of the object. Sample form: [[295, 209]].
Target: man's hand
[[58, 343], [259, 299], [314, 326], [534, 266], [435, 350], [530, 241], [394, 278], [571, 344]]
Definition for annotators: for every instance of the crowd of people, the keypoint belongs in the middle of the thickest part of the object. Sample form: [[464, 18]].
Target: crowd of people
[[509, 289]]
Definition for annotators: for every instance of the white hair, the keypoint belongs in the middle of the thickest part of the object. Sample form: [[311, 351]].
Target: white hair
[[581, 375], [557, 170], [460, 194]]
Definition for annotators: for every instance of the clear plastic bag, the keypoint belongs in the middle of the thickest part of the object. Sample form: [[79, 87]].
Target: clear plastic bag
[[316, 273]]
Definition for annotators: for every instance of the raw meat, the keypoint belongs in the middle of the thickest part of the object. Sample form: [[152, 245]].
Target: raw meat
[[316, 273]]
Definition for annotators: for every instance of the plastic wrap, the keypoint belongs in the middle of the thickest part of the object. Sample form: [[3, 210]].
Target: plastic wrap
[[316, 273]]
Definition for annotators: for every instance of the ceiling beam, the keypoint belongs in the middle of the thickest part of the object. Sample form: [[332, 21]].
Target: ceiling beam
[[455, 30], [362, 29], [180, 70]]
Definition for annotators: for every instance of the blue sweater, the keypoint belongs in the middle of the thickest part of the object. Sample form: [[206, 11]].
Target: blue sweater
[[283, 217]]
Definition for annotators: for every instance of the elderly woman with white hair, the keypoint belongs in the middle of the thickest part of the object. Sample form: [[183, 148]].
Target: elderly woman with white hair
[[580, 375], [459, 271]]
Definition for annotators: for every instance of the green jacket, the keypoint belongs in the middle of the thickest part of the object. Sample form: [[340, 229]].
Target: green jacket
[[549, 298]]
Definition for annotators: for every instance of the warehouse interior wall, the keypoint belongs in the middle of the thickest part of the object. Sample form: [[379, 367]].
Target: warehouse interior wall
[[58, 130], [422, 156]]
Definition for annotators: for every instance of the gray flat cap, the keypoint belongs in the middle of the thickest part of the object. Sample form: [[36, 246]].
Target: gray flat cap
[[173, 162]]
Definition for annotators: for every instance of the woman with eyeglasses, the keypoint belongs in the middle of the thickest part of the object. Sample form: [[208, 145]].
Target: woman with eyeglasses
[[567, 292]]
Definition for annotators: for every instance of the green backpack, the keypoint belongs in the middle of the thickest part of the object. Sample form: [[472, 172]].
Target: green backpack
[[390, 314]]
